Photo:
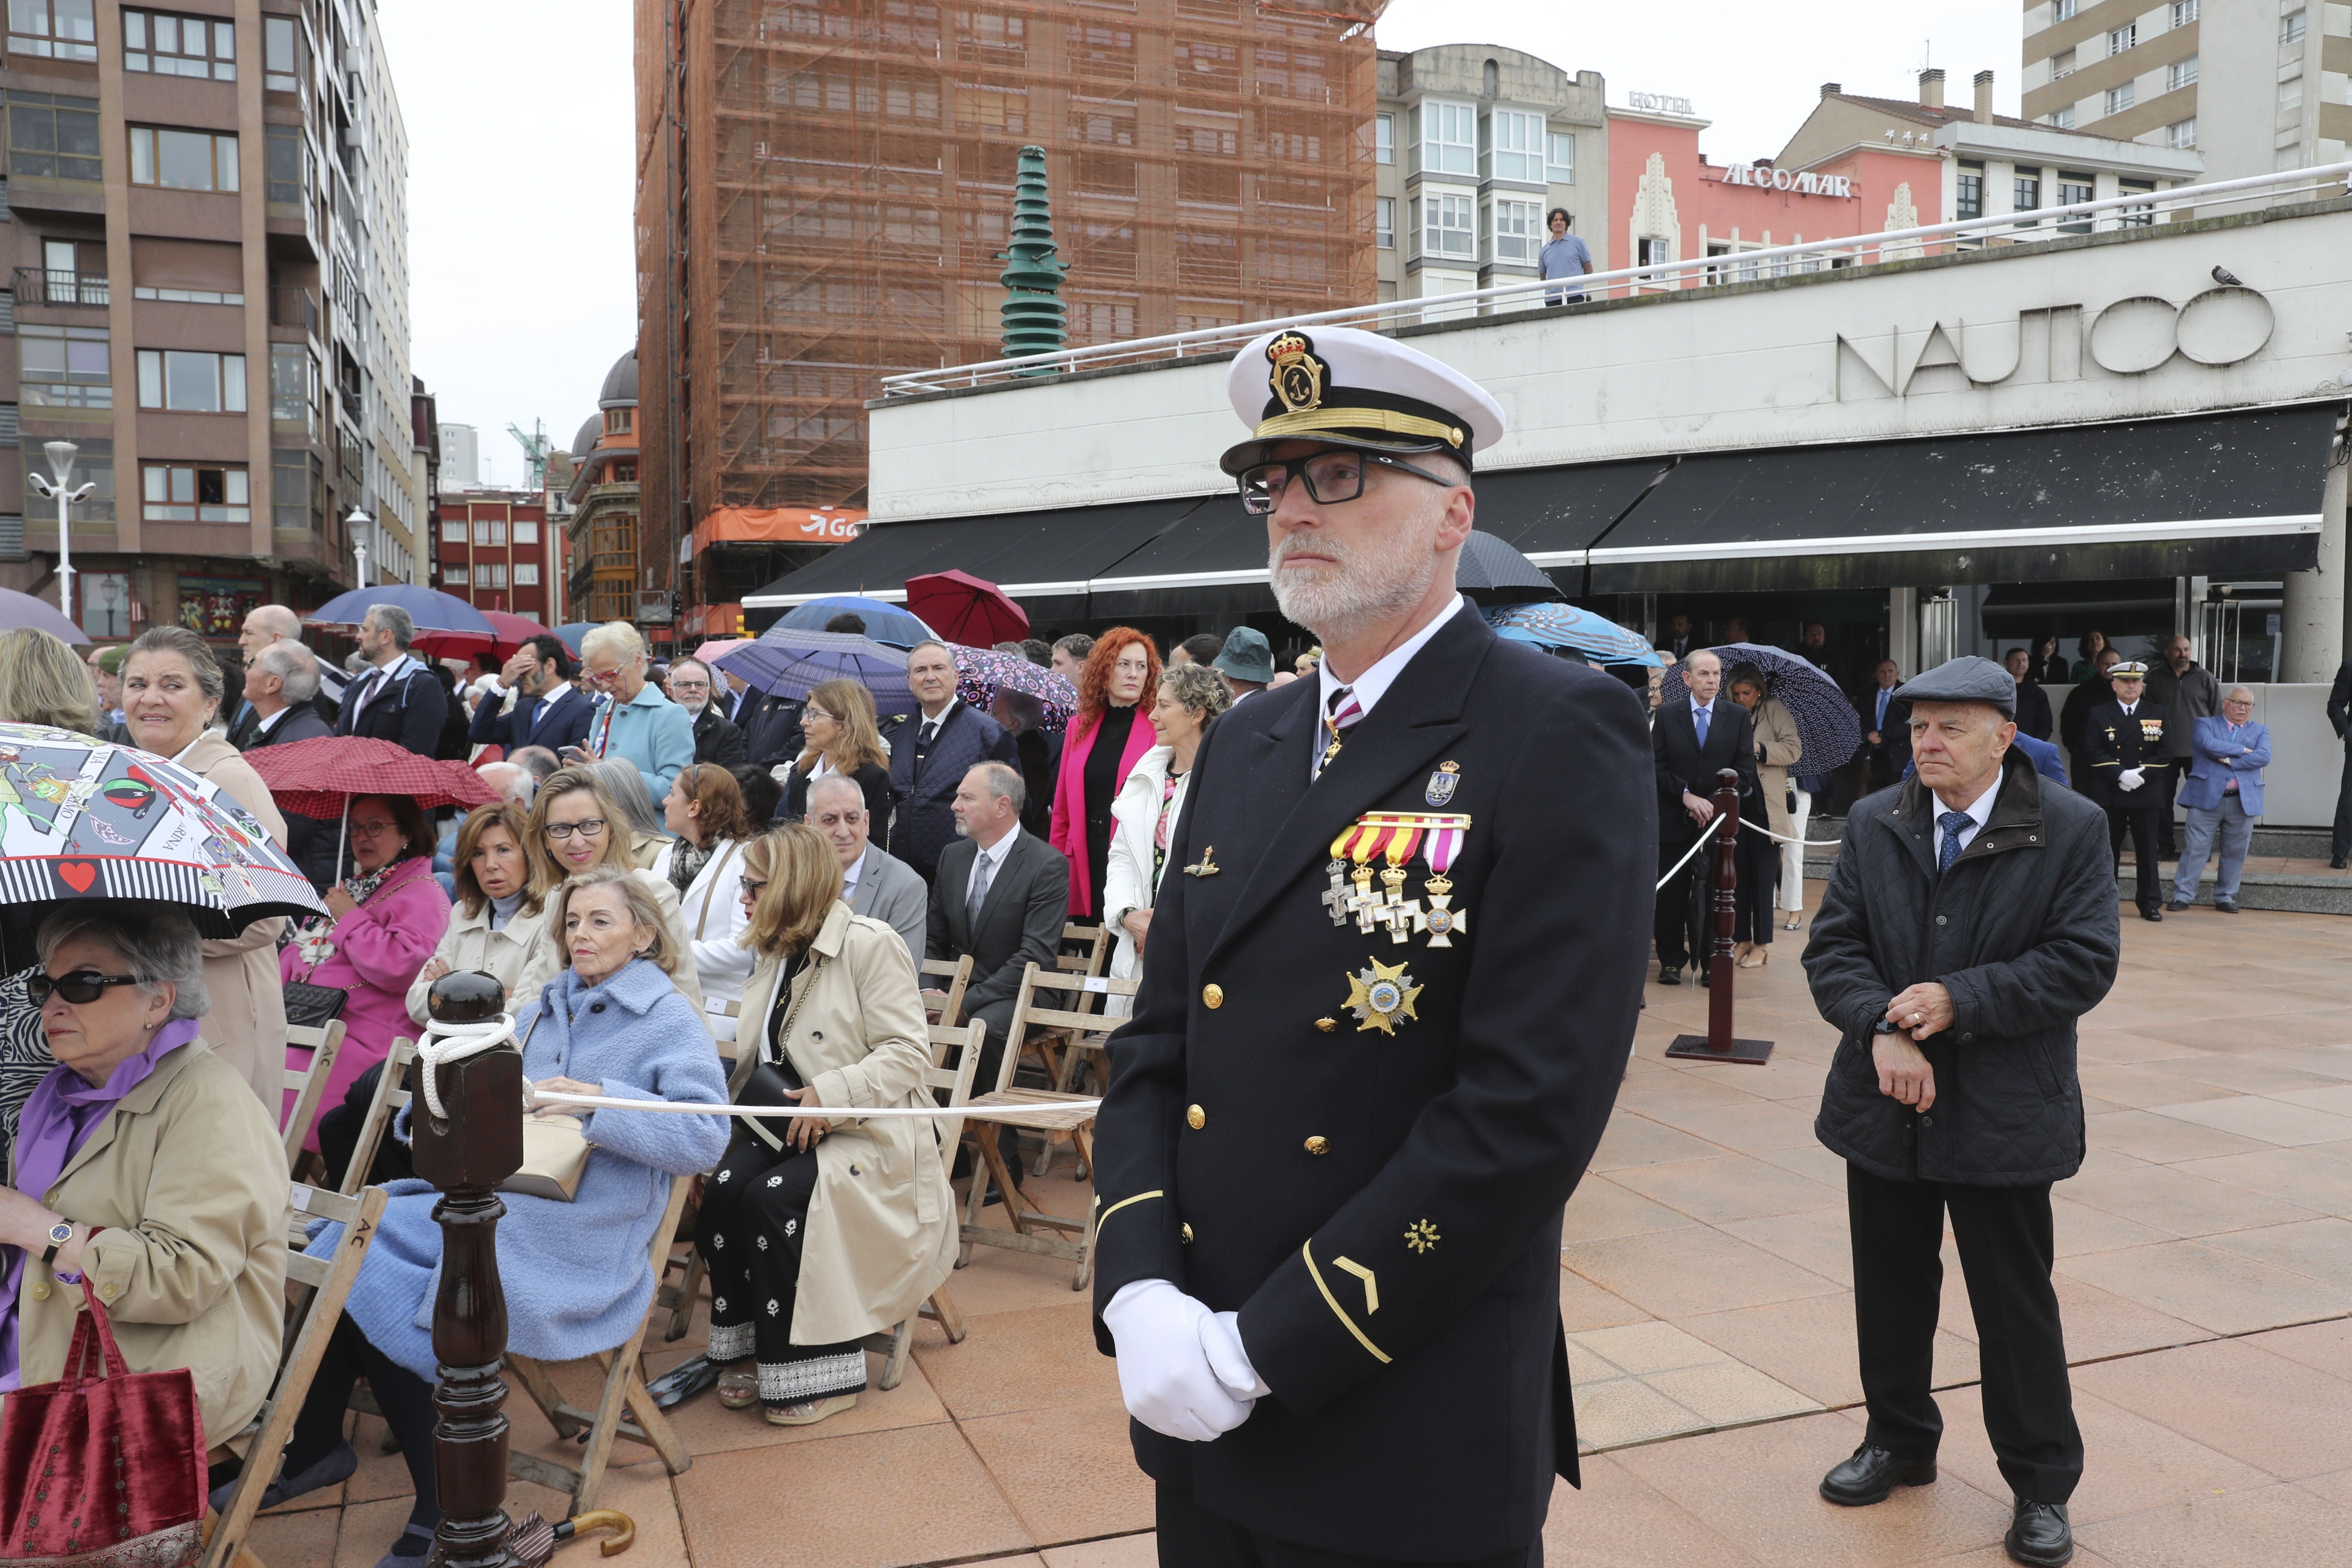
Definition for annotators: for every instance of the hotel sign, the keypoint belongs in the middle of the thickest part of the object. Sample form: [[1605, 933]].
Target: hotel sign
[[1658, 104], [1804, 184]]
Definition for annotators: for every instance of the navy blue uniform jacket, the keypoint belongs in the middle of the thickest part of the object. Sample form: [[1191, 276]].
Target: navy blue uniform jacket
[[1384, 1210]]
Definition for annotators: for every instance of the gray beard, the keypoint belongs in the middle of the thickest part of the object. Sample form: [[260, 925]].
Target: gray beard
[[1370, 586]]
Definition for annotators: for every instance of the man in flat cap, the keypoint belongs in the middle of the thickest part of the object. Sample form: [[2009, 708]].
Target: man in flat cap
[[2124, 760], [1969, 922], [1383, 1013]]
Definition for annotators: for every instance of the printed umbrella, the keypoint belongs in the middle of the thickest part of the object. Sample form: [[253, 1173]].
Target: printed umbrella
[[890, 624], [1492, 572], [788, 662], [1827, 726], [982, 672], [572, 631], [83, 819], [966, 609], [507, 633], [318, 778], [432, 610], [24, 610], [1564, 626]]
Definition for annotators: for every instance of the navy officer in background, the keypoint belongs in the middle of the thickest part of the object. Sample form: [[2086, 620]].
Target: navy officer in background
[[2124, 761], [1392, 978]]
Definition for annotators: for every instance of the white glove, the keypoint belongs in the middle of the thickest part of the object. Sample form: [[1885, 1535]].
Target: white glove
[[1221, 1336], [1164, 1372], [2129, 779]]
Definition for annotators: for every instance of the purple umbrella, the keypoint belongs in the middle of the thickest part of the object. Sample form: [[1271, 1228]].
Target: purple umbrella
[[18, 610], [432, 610], [788, 662], [982, 672], [1827, 726]]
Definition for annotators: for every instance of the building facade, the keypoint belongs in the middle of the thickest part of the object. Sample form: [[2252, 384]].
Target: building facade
[[600, 511], [190, 192], [2254, 86], [497, 551], [825, 187], [1473, 147]]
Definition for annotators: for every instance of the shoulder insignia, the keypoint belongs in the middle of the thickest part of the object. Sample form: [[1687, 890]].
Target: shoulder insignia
[[1421, 1236]]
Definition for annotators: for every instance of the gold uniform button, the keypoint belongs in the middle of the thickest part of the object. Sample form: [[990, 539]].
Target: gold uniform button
[[1213, 994], [1318, 1145], [1326, 1025], [1188, 1235], [1195, 1117]]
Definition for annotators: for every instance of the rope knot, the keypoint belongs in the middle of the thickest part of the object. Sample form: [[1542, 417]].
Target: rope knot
[[453, 1043]]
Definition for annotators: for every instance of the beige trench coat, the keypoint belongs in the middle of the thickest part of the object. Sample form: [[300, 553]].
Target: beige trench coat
[[1776, 748], [247, 1020], [521, 948], [881, 1227], [188, 1178]]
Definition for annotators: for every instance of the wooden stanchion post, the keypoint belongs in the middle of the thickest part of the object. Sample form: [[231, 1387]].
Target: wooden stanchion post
[[1718, 1044], [466, 1153]]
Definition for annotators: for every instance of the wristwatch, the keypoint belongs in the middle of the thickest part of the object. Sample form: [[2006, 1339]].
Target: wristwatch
[[60, 1234]]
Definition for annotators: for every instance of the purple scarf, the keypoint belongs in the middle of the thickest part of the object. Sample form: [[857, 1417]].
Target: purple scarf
[[56, 1121]]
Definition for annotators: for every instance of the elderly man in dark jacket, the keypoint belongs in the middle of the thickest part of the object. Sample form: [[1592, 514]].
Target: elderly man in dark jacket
[[1970, 921]]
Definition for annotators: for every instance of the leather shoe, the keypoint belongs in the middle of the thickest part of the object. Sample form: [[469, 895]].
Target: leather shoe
[[1870, 1473], [2151, 913], [1670, 974], [2040, 1536], [2222, 906], [2337, 863], [2175, 907]]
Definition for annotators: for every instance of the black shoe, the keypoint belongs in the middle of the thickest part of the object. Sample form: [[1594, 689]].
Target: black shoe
[[1670, 974], [2175, 907], [2151, 913], [2040, 1536], [2222, 906], [2337, 862], [1870, 1474], [1706, 975]]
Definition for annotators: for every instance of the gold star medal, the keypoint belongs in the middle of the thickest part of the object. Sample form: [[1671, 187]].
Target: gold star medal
[[1380, 994]]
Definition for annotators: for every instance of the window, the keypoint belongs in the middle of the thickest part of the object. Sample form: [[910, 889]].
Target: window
[[499, 532], [1967, 198], [181, 493], [64, 367], [2074, 187], [2122, 38], [2290, 94], [1446, 229], [1384, 137], [191, 382], [481, 530], [287, 165], [1384, 222], [279, 70], [2181, 132], [1514, 230], [2063, 119], [2136, 217], [2119, 98], [1652, 252], [51, 137], [526, 533], [455, 577], [2291, 27], [2062, 10], [1449, 140], [2183, 12], [494, 575], [179, 46], [526, 574], [2061, 63], [2027, 195], [619, 421], [1513, 146], [183, 160], [2179, 74], [453, 531], [1559, 157], [53, 29]]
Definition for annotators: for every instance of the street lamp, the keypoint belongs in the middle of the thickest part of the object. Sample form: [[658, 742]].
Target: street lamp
[[61, 462], [358, 522]]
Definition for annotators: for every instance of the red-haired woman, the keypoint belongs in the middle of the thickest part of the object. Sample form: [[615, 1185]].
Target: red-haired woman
[[1105, 738]]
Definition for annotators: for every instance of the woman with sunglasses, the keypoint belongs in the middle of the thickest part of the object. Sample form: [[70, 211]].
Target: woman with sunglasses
[[576, 825], [841, 735], [144, 1165], [383, 922]]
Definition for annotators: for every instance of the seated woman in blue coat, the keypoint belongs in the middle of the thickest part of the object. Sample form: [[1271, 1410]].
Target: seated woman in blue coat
[[577, 1274]]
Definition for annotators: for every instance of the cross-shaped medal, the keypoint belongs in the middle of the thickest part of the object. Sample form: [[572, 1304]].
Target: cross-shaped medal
[[1335, 898], [1400, 918], [1365, 900]]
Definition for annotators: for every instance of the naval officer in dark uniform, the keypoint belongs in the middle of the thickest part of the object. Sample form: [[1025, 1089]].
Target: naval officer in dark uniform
[[1386, 1005], [2123, 755]]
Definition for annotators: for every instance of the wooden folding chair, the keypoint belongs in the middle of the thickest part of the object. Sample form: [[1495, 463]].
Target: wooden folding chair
[[1085, 951], [308, 1083], [624, 1385], [392, 1092], [955, 1059], [944, 1004], [325, 1283], [1046, 1110]]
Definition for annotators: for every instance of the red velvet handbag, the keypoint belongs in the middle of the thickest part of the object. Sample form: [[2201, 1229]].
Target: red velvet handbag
[[104, 1467]]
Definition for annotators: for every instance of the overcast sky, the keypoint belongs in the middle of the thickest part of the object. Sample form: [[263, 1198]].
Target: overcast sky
[[522, 130]]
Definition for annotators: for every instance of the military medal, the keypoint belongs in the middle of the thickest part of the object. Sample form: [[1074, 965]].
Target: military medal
[[1337, 900], [1441, 920], [1381, 993], [1441, 783]]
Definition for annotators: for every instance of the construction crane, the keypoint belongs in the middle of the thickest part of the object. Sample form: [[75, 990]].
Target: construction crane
[[534, 451]]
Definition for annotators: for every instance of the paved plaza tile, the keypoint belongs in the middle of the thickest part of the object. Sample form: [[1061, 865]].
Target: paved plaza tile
[[2205, 1273]]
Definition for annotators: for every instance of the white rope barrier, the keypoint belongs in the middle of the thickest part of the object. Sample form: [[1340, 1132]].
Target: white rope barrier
[[1705, 837], [534, 1095], [1757, 827]]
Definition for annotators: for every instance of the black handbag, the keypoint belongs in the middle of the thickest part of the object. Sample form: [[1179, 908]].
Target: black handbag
[[310, 1007], [770, 1081]]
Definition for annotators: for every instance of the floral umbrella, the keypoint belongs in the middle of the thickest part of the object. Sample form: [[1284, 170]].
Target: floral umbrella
[[1829, 731], [982, 672]]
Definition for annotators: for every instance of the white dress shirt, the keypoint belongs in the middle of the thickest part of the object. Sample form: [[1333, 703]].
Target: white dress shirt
[[1980, 812], [849, 874], [261, 730], [1369, 688], [986, 864]]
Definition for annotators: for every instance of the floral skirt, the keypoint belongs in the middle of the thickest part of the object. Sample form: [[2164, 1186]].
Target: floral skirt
[[754, 1215]]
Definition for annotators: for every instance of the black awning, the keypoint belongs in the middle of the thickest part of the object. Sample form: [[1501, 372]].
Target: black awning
[[1552, 516], [2210, 495]]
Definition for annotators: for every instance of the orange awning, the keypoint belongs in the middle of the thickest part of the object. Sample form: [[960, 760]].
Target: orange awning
[[779, 525]]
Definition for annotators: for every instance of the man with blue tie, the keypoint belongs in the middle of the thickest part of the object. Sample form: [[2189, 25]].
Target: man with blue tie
[[1885, 739], [1690, 743], [548, 710], [2223, 793]]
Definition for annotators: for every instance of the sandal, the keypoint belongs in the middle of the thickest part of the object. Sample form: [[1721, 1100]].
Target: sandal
[[1796, 920], [808, 1413], [739, 1390]]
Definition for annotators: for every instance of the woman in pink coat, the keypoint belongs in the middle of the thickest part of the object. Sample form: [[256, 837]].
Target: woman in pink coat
[[1122, 667], [388, 917]]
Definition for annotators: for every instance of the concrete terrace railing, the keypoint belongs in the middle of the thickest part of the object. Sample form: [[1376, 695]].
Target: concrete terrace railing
[[2139, 210]]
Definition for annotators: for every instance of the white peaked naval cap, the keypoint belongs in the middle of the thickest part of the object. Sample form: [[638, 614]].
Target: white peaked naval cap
[[1354, 388]]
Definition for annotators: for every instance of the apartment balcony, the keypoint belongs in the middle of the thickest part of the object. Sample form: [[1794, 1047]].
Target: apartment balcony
[[294, 308], [49, 286]]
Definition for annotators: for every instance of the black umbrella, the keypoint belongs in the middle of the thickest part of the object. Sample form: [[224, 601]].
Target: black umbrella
[[1492, 572], [1827, 727]]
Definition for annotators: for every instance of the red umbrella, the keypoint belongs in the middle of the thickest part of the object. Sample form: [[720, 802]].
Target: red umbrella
[[965, 609], [318, 778], [509, 631]]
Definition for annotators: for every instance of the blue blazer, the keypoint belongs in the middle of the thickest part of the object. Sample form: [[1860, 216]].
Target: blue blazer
[[2214, 758], [554, 722]]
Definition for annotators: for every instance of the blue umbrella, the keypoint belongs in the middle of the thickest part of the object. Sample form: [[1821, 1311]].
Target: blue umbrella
[[1564, 626], [893, 625], [432, 610], [1828, 728], [787, 661], [570, 632]]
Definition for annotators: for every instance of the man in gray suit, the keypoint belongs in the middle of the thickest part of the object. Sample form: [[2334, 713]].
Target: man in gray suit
[[1000, 895], [876, 884]]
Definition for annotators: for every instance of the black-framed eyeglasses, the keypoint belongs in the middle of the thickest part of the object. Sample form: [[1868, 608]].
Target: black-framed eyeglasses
[[81, 987], [1331, 478], [590, 828]]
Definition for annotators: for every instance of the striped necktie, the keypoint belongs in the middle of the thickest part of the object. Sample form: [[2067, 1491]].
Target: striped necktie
[[1339, 716]]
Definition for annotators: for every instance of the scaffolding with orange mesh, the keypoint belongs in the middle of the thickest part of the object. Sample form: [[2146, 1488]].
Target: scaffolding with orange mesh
[[825, 187]]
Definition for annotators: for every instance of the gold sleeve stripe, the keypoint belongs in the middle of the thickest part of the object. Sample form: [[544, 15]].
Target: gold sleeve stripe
[[1306, 1250], [1122, 1204], [1340, 421]]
